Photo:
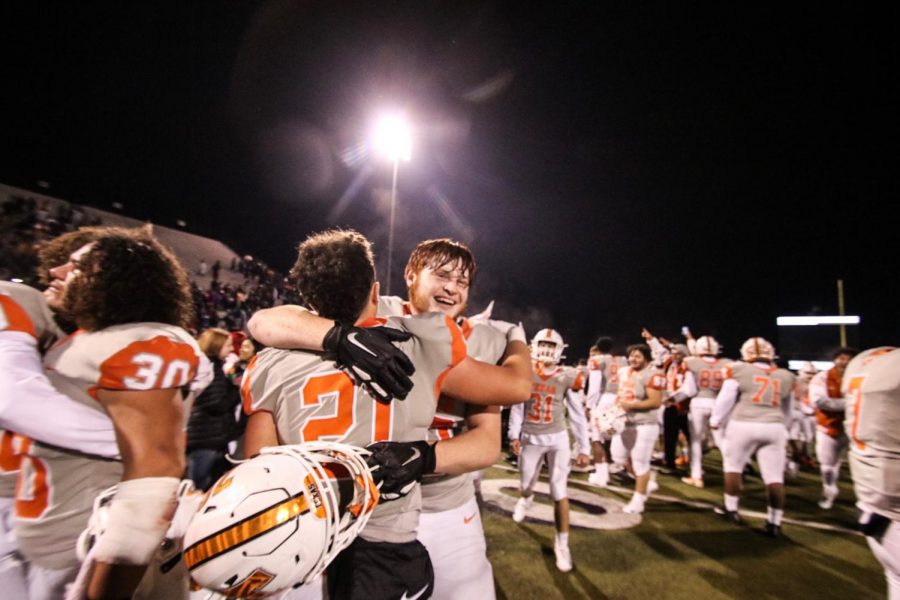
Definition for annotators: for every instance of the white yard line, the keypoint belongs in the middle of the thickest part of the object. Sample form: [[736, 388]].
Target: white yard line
[[703, 505]]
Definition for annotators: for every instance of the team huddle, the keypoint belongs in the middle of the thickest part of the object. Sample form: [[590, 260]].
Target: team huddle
[[368, 420]]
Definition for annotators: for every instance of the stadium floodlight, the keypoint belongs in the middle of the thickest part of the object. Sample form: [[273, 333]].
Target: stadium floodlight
[[820, 365], [392, 139], [834, 320]]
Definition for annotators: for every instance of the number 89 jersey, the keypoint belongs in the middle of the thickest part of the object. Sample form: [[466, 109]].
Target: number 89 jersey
[[56, 490]]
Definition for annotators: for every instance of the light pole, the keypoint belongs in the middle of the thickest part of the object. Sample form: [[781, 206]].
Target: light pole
[[393, 140]]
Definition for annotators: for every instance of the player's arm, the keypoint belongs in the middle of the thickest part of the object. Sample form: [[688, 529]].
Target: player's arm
[[725, 400], [594, 387], [260, 433], [687, 390], [289, 326], [578, 422], [31, 406], [818, 395], [514, 428], [476, 448], [368, 353], [148, 426], [477, 382]]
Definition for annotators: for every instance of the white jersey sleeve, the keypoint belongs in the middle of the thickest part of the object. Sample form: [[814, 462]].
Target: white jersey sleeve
[[578, 421]]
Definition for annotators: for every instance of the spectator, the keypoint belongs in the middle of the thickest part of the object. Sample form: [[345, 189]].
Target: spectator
[[212, 424]]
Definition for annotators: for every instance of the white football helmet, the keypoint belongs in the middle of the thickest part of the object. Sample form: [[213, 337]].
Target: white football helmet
[[547, 354], [757, 348], [706, 345], [277, 520], [609, 420], [808, 370]]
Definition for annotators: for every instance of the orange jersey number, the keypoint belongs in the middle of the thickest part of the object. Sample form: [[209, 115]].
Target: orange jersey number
[[33, 486], [764, 383], [338, 387], [855, 388], [710, 379], [541, 409]]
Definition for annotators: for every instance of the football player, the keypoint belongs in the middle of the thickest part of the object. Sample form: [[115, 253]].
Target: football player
[[537, 429], [439, 275], [127, 361], [603, 385], [871, 384], [803, 421], [640, 394], [826, 396], [755, 398], [387, 560], [706, 373], [676, 405]]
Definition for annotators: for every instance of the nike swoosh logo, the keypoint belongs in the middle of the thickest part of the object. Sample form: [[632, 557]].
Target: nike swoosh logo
[[415, 456], [352, 339], [418, 594], [468, 520]]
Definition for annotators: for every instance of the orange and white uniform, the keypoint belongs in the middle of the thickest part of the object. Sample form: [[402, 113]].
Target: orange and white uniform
[[540, 425], [708, 375], [872, 387], [57, 487], [641, 426], [826, 397], [756, 401]]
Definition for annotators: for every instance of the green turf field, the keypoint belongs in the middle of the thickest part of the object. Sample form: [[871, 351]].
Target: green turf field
[[681, 549]]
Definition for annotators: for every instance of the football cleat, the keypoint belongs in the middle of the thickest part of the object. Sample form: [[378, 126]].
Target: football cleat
[[635, 506], [652, 485], [522, 507], [772, 530], [693, 481], [563, 557], [600, 478], [829, 494], [732, 516]]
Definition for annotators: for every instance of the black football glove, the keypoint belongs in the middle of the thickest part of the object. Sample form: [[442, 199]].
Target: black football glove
[[369, 353], [398, 466]]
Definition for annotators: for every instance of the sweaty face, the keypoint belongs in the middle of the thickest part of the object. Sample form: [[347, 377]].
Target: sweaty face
[[443, 289], [62, 276], [636, 360]]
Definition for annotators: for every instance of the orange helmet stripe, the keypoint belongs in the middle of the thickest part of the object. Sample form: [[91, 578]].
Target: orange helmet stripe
[[245, 530]]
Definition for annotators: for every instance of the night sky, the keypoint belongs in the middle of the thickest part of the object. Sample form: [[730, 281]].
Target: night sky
[[612, 166]]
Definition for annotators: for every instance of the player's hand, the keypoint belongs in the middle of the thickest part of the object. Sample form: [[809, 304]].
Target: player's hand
[[583, 460], [515, 446], [398, 466], [370, 355]]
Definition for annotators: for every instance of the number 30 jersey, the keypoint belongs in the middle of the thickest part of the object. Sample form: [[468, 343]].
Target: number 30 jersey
[[56, 489], [310, 399]]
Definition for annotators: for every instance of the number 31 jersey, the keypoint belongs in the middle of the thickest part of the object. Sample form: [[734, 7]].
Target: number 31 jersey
[[56, 489], [545, 409]]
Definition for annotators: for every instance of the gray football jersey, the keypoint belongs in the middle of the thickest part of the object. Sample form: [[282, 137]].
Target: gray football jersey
[[633, 386], [708, 374], [55, 498], [762, 392], [445, 492], [872, 387], [26, 327], [546, 408], [310, 399], [611, 365]]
